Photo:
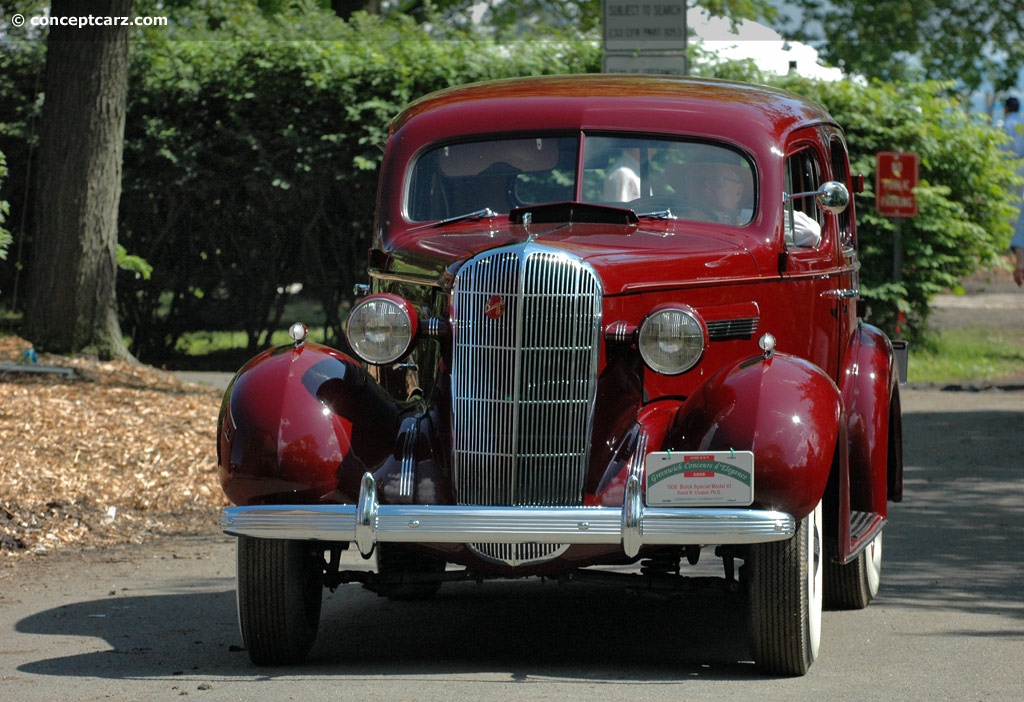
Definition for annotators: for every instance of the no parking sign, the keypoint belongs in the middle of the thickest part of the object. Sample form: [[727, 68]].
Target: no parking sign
[[895, 180]]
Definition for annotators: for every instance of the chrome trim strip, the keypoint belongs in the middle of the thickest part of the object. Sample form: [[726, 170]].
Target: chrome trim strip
[[408, 468], [633, 526]]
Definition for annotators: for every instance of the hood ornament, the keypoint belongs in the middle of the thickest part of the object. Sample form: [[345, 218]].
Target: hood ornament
[[298, 332]]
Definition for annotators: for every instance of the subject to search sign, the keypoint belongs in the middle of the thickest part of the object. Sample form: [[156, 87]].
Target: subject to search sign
[[895, 180]]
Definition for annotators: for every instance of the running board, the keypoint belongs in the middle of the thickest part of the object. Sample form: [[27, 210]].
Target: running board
[[864, 527]]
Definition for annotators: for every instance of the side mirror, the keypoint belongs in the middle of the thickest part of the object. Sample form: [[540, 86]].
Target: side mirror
[[832, 196]]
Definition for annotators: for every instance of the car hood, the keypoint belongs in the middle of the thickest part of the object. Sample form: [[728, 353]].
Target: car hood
[[627, 257]]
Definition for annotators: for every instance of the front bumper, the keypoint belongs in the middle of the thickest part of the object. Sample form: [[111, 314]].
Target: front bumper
[[634, 526]]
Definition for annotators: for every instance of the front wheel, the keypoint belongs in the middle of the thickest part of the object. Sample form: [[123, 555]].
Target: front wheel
[[279, 590], [785, 590]]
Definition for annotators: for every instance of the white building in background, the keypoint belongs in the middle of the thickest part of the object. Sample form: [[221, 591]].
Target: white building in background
[[763, 45]]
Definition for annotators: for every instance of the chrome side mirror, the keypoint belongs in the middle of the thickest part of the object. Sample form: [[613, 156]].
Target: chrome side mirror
[[832, 196]]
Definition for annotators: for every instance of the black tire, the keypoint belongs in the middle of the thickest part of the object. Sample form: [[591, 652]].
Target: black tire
[[785, 591], [407, 575], [279, 590], [854, 585]]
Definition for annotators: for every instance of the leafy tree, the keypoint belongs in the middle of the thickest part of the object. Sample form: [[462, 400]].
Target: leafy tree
[[962, 41], [72, 306], [518, 18]]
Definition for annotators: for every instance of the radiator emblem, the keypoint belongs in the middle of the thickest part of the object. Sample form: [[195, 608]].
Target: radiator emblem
[[495, 307]]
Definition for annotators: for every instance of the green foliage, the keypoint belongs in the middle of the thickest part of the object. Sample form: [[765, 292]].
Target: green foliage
[[512, 19], [963, 42], [964, 199], [20, 66], [135, 265], [252, 150], [251, 164], [5, 209]]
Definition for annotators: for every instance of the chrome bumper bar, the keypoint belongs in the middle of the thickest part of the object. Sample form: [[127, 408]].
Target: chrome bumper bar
[[635, 525]]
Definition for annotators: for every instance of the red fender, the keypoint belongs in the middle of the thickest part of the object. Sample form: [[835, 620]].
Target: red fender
[[870, 386], [297, 422], [784, 409]]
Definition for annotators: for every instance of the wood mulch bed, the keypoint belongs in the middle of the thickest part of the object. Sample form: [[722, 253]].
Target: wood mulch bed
[[114, 452]]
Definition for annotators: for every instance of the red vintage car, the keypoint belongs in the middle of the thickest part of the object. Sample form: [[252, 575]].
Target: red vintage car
[[611, 320]]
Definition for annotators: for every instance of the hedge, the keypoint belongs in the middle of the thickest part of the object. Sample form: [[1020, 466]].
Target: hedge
[[251, 167]]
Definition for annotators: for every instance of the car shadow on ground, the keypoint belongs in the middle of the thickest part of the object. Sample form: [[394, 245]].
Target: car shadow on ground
[[953, 544], [526, 627]]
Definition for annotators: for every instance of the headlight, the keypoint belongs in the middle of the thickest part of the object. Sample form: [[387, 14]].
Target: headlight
[[671, 340], [381, 328]]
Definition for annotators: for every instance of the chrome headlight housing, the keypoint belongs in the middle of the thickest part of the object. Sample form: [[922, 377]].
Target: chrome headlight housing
[[672, 339], [381, 328]]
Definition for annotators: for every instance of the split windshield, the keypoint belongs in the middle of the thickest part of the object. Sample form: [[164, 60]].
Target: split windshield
[[693, 180]]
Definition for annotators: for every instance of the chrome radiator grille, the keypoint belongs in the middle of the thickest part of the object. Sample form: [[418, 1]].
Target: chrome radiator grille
[[526, 323]]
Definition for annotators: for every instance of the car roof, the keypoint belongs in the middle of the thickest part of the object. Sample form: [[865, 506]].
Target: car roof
[[746, 114]]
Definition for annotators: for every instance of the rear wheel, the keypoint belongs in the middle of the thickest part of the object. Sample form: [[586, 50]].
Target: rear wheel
[[854, 585], [785, 589], [279, 594]]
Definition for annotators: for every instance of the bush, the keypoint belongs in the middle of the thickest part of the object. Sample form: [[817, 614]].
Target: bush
[[251, 157], [964, 199]]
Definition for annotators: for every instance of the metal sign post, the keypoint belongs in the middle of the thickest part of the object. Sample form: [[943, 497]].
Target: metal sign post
[[896, 176], [645, 37]]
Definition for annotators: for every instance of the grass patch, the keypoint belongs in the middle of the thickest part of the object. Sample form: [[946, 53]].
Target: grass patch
[[969, 354]]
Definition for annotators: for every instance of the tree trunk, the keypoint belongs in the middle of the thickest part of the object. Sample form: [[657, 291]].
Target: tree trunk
[[72, 305]]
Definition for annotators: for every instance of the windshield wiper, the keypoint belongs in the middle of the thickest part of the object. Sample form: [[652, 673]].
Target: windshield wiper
[[659, 214], [485, 213]]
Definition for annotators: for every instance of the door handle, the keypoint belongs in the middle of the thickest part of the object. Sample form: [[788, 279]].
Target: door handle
[[842, 293]]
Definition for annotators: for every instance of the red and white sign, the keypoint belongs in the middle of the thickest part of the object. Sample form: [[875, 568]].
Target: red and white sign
[[895, 180]]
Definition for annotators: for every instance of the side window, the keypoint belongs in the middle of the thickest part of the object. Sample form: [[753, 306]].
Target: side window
[[841, 173], [804, 220]]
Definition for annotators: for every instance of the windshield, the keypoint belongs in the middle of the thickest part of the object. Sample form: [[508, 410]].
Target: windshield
[[688, 179]]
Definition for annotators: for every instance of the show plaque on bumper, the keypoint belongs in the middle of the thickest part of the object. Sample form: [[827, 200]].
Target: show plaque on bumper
[[633, 526], [709, 478]]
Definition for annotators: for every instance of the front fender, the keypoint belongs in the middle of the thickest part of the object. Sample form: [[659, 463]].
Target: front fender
[[785, 410], [292, 417]]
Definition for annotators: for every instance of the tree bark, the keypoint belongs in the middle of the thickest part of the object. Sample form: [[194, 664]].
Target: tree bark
[[72, 305]]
